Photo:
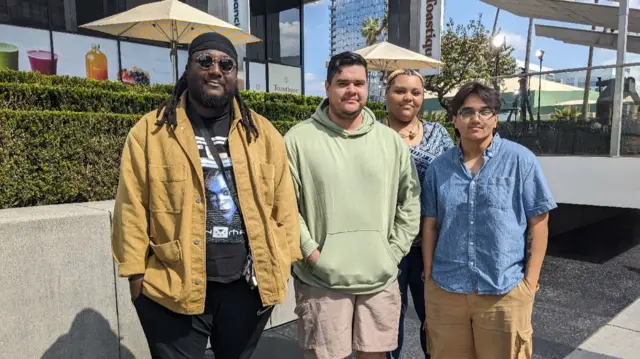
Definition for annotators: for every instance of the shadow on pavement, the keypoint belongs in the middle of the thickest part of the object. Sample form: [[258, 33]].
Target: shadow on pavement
[[599, 242], [90, 336], [274, 345]]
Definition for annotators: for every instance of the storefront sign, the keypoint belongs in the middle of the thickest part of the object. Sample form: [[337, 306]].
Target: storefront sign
[[285, 79], [239, 14], [432, 15]]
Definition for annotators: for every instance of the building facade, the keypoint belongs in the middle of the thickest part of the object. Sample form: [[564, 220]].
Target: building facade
[[346, 22], [346, 19], [51, 29]]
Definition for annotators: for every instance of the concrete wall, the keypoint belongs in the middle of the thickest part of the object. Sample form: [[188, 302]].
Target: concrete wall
[[60, 295], [594, 181]]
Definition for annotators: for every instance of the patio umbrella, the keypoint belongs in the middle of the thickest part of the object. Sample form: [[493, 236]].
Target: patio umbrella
[[169, 21], [385, 57]]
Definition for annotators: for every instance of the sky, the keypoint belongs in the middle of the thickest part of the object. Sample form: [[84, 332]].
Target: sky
[[558, 55]]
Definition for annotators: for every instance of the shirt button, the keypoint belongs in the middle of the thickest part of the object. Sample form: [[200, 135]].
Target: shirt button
[[196, 242], [469, 263], [471, 222], [197, 282]]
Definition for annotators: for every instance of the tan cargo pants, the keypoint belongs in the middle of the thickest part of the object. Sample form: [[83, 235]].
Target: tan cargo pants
[[474, 326]]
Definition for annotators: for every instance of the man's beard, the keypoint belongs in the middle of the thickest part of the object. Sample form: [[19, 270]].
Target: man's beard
[[211, 101]]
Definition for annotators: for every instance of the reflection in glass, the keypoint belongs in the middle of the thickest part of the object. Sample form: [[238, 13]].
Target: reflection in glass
[[289, 41]]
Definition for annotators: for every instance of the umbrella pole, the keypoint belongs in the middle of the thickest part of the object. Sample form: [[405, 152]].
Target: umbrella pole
[[174, 61]]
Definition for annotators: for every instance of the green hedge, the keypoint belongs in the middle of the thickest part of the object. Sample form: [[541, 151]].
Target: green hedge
[[36, 78], [30, 97], [49, 157]]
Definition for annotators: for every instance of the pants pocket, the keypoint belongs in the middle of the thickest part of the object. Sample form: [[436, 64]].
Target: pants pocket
[[523, 348]]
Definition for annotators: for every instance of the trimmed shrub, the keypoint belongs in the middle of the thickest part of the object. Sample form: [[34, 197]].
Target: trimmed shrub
[[50, 157], [66, 82]]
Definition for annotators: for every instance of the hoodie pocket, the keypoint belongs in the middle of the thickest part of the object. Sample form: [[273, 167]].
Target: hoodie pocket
[[355, 258]]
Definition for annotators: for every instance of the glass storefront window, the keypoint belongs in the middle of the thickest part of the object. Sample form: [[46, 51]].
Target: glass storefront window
[[288, 41]]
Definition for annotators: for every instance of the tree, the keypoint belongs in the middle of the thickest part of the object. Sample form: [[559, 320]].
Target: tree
[[372, 28], [467, 55]]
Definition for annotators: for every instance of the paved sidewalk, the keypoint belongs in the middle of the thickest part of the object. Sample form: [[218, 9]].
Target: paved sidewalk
[[619, 339]]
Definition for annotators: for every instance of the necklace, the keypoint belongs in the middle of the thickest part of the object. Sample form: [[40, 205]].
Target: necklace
[[412, 132]]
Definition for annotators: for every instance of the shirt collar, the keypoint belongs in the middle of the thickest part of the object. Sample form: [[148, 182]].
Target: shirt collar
[[490, 152]]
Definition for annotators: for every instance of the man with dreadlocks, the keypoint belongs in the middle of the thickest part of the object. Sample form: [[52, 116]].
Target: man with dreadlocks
[[206, 222]]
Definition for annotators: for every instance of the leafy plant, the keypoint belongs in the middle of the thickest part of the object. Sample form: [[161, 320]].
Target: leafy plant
[[567, 113], [467, 56]]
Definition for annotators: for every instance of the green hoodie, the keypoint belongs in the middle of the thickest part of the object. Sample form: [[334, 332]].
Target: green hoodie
[[359, 202]]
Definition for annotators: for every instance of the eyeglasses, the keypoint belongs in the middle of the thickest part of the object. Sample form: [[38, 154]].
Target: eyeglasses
[[205, 61], [484, 114]]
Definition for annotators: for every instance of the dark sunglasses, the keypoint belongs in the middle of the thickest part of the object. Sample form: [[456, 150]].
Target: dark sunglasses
[[205, 61]]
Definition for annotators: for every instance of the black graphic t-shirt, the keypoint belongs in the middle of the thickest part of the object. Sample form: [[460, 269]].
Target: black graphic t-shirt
[[225, 233]]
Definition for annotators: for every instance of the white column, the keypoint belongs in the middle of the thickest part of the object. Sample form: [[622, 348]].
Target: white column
[[616, 121]]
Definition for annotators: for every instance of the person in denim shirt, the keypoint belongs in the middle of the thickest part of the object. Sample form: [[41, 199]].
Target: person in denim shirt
[[426, 141], [485, 207]]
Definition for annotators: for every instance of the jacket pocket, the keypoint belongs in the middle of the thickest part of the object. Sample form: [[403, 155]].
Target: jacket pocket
[[355, 258], [166, 188], [165, 271], [267, 183]]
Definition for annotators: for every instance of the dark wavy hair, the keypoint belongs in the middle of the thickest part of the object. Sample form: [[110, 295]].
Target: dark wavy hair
[[347, 58], [170, 106]]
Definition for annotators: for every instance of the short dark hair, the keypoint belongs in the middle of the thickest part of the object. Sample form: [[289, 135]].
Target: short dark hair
[[488, 95], [341, 60]]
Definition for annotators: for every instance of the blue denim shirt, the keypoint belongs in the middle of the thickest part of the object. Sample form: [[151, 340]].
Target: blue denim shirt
[[482, 219]]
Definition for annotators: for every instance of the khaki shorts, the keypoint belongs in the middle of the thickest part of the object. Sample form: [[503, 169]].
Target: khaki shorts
[[474, 326], [332, 325]]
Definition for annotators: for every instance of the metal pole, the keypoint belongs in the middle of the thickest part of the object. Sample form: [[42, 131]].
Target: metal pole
[[119, 77], [495, 73], [52, 64], [587, 83], [524, 84], [495, 23], [616, 121], [539, 90]]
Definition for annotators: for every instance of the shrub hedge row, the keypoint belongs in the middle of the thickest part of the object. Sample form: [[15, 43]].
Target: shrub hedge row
[[36, 78], [30, 97], [50, 157]]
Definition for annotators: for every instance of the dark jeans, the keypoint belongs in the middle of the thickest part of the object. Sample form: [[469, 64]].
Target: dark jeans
[[410, 278], [234, 319]]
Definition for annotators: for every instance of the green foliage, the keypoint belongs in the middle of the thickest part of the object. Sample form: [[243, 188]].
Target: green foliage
[[467, 56], [50, 157], [567, 113], [372, 28], [24, 77], [31, 97], [59, 157]]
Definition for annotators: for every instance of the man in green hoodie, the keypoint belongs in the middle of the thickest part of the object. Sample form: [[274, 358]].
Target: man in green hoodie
[[359, 201]]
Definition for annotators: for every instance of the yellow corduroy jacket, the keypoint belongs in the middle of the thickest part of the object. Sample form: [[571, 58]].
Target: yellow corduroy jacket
[[159, 215]]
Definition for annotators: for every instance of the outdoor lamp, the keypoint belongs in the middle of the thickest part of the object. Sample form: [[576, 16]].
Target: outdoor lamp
[[540, 55], [498, 41]]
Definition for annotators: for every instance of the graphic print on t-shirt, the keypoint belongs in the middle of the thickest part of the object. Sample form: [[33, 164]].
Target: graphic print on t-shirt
[[224, 223]]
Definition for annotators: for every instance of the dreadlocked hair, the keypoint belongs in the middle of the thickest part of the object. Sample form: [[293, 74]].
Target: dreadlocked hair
[[247, 119], [170, 106]]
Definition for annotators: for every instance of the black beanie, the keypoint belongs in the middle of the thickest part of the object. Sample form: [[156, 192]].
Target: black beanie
[[213, 41]]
